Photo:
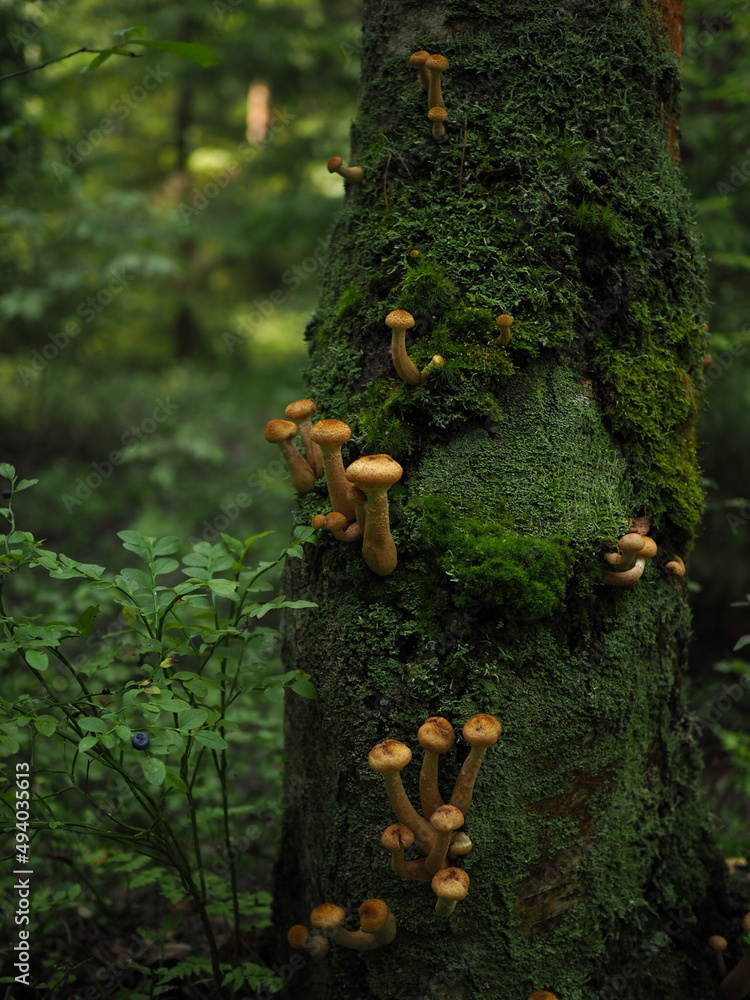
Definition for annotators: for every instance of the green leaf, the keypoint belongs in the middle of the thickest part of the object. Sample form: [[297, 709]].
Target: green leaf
[[86, 743], [223, 588], [24, 485], [305, 688], [134, 538], [211, 739], [37, 635], [197, 686], [36, 659], [173, 778], [136, 579], [741, 643], [46, 724], [163, 566], [7, 471], [193, 718], [167, 545], [97, 61], [154, 770], [274, 693], [124, 732], [234, 545], [87, 618], [137, 30], [198, 53], [92, 725]]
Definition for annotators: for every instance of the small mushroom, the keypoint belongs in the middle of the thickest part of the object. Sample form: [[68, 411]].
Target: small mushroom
[[707, 362], [338, 525], [460, 844], [542, 995], [504, 322], [316, 945], [450, 885], [418, 59], [396, 838], [376, 918], [635, 549], [399, 320], [675, 567], [389, 758], [337, 166], [329, 917], [630, 546], [445, 821], [480, 731], [330, 435], [436, 736], [438, 117], [718, 945], [436, 65], [736, 985], [301, 411], [281, 432], [374, 475], [628, 578]]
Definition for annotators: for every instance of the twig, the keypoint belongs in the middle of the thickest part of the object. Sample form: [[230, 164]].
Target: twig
[[463, 154], [85, 48], [385, 181]]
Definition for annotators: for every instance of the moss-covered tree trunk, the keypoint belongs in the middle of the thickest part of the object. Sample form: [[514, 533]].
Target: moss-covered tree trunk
[[555, 197]]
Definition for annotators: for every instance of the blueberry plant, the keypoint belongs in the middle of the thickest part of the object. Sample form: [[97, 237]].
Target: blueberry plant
[[132, 732]]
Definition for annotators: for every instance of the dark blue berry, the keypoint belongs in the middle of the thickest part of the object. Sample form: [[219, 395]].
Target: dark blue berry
[[140, 740]]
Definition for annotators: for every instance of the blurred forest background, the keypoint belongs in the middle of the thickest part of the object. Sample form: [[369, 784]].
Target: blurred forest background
[[162, 234]]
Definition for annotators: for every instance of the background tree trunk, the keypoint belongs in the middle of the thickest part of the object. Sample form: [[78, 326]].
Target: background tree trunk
[[555, 198]]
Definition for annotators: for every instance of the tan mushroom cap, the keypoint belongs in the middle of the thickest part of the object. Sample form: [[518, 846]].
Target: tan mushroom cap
[[279, 430], [297, 936], [396, 837], [300, 409], [328, 433], [373, 914], [374, 471], [437, 114], [336, 521], [482, 730], [717, 942], [632, 542], [334, 163], [436, 735], [446, 819], [451, 883], [327, 916], [399, 319], [390, 755], [650, 548], [542, 995], [504, 319], [419, 58], [318, 521], [437, 62], [461, 844]]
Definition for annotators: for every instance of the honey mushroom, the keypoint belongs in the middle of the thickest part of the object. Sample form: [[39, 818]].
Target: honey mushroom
[[396, 838], [504, 322], [389, 758], [330, 435], [450, 885], [282, 433], [418, 59], [374, 475], [480, 732], [316, 945], [436, 736], [301, 412], [329, 917], [445, 821], [436, 65], [437, 117], [337, 166]]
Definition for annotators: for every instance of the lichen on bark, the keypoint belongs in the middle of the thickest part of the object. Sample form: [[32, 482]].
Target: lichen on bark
[[554, 198]]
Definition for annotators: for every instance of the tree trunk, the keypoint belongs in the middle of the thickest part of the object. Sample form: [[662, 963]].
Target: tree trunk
[[555, 198]]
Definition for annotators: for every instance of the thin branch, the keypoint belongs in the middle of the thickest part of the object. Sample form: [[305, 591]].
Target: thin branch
[[85, 48]]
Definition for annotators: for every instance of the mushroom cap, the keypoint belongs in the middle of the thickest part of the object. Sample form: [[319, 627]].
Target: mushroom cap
[[717, 942], [336, 521], [328, 433], [419, 58], [461, 844], [280, 430], [399, 319], [436, 735], [437, 360], [390, 755], [396, 837], [482, 730], [437, 62], [437, 114], [373, 913], [632, 542], [319, 521], [327, 916], [746, 924], [504, 319], [446, 819], [542, 995], [300, 409], [374, 471], [675, 566], [649, 549], [297, 935], [334, 163], [451, 883], [355, 494]]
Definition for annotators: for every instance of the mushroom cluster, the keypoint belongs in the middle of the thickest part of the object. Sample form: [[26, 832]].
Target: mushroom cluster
[[359, 496], [302, 471], [735, 985], [430, 70], [399, 321], [377, 927], [439, 837], [629, 561]]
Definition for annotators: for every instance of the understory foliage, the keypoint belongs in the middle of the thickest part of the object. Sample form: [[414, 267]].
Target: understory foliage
[[133, 725]]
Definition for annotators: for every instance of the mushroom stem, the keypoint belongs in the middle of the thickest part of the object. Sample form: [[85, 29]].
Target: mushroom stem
[[436, 65], [628, 578], [436, 736], [444, 821], [402, 362], [480, 732], [418, 59], [302, 411], [330, 435], [337, 166], [374, 475], [281, 433], [718, 945], [359, 500], [329, 917], [388, 758]]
